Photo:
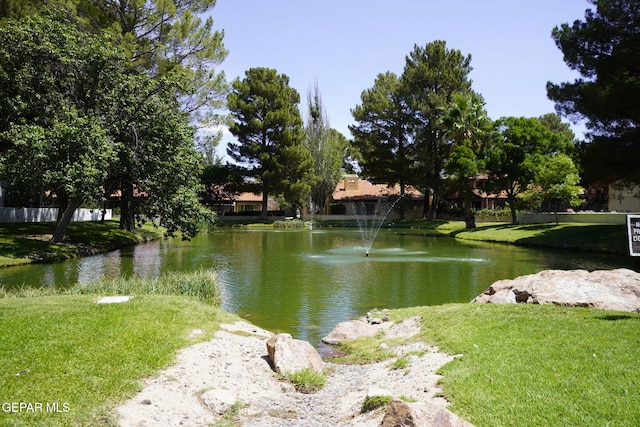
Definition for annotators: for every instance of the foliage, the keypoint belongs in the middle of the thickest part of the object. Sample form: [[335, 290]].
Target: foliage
[[527, 154], [605, 49], [269, 130], [52, 85], [327, 147], [433, 75], [468, 129], [161, 38], [221, 183], [381, 134], [307, 380], [91, 356]]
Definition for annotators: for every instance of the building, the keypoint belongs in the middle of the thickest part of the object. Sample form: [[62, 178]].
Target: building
[[353, 195]]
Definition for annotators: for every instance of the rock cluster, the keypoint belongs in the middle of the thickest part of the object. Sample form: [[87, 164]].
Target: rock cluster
[[606, 289]]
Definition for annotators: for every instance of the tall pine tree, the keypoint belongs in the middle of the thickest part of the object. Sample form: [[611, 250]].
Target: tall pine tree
[[270, 134]]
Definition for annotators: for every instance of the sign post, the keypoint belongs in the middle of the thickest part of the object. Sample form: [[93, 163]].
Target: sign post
[[633, 229]]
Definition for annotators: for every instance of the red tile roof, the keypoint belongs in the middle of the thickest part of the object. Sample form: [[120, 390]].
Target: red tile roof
[[369, 191]]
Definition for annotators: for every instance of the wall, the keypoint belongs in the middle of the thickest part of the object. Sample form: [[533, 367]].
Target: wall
[[49, 214], [624, 197], [584, 217]]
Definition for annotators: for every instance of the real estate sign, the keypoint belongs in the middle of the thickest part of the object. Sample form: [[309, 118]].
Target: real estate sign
[[633, 227]]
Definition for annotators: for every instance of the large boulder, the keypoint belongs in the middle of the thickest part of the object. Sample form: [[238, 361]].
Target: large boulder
[[401, 413], [350, 330], [288, 355], [607, 289]]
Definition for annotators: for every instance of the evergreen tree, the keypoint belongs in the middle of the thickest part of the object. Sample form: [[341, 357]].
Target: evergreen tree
[[270, 134], [381, 134], [432, 75], [605, 49]]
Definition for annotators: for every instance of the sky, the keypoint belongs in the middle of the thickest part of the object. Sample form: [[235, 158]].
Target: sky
[[345, 44]]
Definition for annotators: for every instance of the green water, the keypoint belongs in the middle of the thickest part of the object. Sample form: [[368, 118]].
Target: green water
[[304, 282]]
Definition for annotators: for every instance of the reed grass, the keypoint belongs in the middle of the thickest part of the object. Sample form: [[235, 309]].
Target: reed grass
[[201, 285]]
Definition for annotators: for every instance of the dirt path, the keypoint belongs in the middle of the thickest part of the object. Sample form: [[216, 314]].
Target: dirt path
[[234, 363]]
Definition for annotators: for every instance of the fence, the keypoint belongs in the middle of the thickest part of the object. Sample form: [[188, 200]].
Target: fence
[[49, 214]]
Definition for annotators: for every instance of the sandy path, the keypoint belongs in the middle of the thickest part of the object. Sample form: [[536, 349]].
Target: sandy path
[[236, 362]]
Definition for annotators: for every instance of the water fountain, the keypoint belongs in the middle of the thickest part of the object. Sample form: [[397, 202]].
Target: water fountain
[[370, 225]]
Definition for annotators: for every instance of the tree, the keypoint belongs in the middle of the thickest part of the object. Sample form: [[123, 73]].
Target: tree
[[53, 84], [161, 37], [467, 127], [523, 149], [327, 148], [164, 40], [222, 183], [605, 50], [432, 75], [270, 133], [157, 168], [381, 134]]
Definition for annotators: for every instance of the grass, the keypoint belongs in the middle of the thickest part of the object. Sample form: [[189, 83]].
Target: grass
[[534, 365], [609, 238], [306, 380], [201, 285], [371, 403], [87, 357], [24, 243]]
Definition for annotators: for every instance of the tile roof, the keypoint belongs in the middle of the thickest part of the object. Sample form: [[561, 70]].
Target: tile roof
[[368, 191]]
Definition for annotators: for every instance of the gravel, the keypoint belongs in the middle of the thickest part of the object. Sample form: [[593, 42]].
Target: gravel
[[233, 367]]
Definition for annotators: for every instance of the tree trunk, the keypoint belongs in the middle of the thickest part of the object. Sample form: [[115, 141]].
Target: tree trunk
[[512, 207], [127, 210], [65, 219], [469, 217], [265, 205]]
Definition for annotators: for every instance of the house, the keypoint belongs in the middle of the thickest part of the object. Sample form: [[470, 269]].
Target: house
[[353, 195], [482, 198], [245, 204]]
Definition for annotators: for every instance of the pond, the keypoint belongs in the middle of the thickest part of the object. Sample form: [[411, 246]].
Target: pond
[[304, 282]]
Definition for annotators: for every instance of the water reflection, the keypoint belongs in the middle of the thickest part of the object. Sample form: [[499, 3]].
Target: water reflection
[[305, 282]]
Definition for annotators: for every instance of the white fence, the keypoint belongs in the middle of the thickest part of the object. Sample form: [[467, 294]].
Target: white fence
[[49, 215]]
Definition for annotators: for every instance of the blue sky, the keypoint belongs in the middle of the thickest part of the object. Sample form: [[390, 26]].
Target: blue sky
[[345, 44]]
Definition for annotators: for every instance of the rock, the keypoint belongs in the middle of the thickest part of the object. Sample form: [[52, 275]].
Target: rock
[[349, 330], [219, 400], [375, 392], [606, 289], [288, 355], [401, 413]]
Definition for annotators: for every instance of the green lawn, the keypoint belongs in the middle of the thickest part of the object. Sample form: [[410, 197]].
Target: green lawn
[[24, 243], [85, 357], [529, 365], [609, 238]]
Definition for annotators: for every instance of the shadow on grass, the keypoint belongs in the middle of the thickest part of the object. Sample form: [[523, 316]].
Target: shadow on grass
[[608, 238], [615, 317]]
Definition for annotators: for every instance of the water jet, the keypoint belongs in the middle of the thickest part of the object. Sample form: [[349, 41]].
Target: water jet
[[370, 224]]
